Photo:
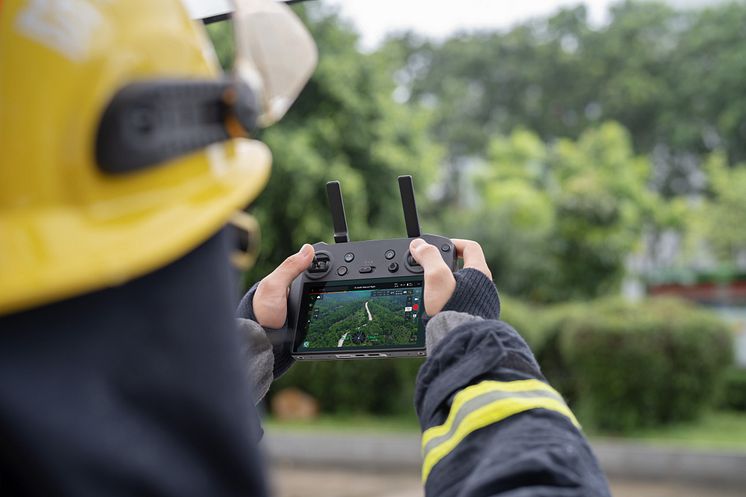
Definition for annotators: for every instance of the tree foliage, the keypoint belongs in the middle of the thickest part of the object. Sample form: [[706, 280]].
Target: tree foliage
[[673, 78], [345, 125], [558, 221], [719, 221], [557, 144]]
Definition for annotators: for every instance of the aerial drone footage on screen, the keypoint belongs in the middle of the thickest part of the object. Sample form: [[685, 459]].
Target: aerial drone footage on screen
[[358, 314]]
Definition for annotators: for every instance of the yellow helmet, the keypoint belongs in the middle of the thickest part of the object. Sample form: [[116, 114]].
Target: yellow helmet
[[73, 218]]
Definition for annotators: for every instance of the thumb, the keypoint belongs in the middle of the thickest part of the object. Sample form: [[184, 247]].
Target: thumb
[[439, 280], [285, 273], [270, 299], [428, 256]]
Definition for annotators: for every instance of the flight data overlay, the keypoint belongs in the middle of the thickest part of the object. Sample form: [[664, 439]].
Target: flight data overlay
[[361, 315]]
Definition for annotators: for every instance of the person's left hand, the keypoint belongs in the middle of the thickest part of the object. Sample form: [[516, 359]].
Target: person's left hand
[[270, 302]]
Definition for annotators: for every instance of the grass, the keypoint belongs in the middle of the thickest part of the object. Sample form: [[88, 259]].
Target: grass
[[715, 430], [365, 423]]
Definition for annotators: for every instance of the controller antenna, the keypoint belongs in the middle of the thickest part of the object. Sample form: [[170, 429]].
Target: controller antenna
[[411, 220], [337, 206]]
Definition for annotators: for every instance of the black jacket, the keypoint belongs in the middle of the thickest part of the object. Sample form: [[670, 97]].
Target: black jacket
[[491, 424], [138, 390]]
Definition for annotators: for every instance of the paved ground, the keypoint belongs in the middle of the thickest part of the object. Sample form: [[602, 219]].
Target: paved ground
[[625, 462], [330, 482]]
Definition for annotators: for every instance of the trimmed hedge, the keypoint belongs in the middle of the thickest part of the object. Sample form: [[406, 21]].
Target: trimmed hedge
[[552, 321], [637, 365], [734, 390], [620, 365], [377, 386]]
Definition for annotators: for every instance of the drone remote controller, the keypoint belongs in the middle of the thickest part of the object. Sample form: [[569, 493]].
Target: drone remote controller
[[363, 299]]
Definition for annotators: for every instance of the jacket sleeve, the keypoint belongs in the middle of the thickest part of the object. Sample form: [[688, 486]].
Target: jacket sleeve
[[492, 425], [280, 339]]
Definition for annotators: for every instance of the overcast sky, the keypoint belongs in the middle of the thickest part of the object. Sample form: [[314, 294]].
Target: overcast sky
[[439, 18]]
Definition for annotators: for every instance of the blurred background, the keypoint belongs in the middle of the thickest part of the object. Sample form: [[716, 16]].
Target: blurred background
[[597, 151]]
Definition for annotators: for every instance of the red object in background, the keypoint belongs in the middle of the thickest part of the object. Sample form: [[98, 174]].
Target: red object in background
[[415, 307], [733, 293]]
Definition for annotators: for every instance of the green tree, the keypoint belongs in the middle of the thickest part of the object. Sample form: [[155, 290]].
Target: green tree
[[674, 79], [345, 125], [558, 221], [719, 220]]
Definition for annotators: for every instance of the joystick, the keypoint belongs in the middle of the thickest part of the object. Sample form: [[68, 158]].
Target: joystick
[[362, 297], [320, 264]]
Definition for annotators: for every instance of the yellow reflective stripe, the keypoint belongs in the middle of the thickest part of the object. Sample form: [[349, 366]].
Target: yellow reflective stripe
[[477, 390], [488, 414]]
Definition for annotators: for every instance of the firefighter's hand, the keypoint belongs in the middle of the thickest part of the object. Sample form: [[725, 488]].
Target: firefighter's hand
[[271, 298], [440, 283]]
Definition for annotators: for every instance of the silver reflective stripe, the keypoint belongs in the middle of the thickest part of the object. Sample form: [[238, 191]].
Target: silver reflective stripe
[[482, 401]]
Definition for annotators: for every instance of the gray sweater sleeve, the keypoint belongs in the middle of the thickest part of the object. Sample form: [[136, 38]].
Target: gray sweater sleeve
[[267, 350], [442, 324], [280, 338], [257, 351]]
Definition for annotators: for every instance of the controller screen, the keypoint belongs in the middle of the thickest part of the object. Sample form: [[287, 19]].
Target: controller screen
[[362, 314]]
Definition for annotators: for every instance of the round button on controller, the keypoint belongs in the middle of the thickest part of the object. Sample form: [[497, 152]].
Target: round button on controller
[[342, 270], [393, 267], [390, 254], [445, 247], [349, 256]]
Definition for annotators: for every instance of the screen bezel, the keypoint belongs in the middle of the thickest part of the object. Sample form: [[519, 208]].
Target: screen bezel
[[300, 333]]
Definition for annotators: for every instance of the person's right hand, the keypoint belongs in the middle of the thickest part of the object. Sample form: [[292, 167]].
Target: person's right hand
[[267, 305], [271, 297], [439, 281]]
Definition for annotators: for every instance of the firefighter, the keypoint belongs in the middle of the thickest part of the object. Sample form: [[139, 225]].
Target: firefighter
[[125, 163], [122, 372]]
